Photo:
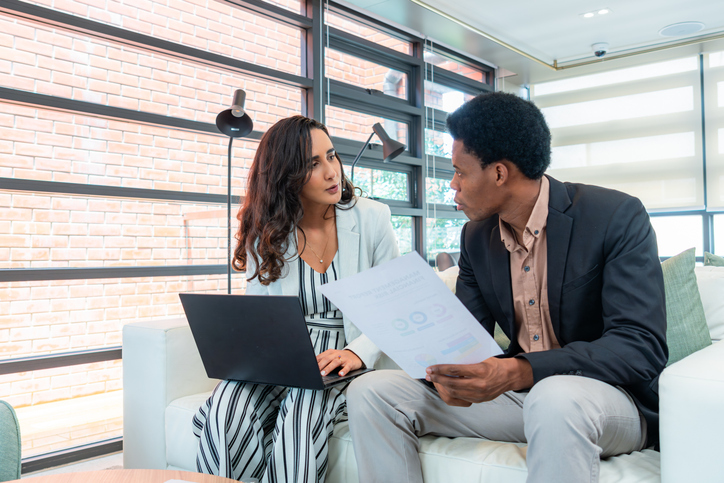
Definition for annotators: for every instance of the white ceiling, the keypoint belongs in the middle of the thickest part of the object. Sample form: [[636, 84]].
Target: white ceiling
[[552, 30]]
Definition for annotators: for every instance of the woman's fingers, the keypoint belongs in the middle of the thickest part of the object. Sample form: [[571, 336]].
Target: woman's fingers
[[331, 364], [330, 360]]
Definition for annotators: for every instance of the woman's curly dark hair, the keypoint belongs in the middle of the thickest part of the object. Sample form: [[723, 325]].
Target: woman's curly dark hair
[[498, 126], [272, 209]]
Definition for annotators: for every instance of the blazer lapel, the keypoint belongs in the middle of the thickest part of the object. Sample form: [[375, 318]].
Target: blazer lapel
[[499, 260], [348, 243], [559, 227], [289, 283]]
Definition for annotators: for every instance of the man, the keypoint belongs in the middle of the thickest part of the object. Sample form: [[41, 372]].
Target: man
[[571, 274]]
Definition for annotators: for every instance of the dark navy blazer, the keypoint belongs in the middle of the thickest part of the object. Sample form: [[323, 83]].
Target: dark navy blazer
[[605, 291]]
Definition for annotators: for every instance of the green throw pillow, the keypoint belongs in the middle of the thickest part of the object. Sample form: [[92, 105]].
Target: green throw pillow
[[686, 330], [713, 260]]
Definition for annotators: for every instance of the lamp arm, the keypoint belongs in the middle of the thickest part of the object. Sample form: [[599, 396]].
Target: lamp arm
[[359, 155]]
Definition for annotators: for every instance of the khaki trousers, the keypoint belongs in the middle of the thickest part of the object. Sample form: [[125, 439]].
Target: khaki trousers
[[569, 423]]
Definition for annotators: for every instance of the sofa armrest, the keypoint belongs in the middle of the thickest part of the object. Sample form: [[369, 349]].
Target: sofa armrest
[[160, 364], [691, 400]]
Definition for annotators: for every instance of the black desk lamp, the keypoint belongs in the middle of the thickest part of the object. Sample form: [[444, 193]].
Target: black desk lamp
[[390, 148], [235, 123]]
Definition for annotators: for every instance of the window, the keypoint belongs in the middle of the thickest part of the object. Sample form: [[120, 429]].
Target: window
[[444, 98], [438, 191], [714, 109], [345, 123], [443, 235], [402, 225], [449, 82], [362, 73], [380, 183], [678, 233], [718, 247], [114, 185], [637, 130], [113, 174]]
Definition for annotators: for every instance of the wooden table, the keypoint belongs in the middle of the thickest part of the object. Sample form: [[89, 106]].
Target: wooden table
[[126, 476]]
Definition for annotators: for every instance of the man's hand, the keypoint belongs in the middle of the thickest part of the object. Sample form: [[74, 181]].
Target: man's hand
[[462, 385]]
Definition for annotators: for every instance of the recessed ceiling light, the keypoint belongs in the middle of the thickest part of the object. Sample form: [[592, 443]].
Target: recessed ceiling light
[[681, 28], [600, 11]]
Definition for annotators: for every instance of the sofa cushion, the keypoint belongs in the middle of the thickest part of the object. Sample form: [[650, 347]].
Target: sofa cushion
[[711, 288], [181, 444], [477, 459], [686, 329], [713, 260]]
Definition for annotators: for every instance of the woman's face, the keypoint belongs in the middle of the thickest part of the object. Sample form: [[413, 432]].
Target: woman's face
[[324, 185]]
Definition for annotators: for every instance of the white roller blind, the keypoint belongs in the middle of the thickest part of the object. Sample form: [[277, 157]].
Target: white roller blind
[[637, 130], [714, 113]]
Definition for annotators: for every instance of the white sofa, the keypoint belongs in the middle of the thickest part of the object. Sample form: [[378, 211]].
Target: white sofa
[[165, 382]]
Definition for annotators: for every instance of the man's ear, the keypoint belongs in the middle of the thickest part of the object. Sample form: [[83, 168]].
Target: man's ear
[[501, 173]]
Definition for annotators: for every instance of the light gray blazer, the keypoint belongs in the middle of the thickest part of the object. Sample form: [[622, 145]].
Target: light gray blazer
[[365, 239]]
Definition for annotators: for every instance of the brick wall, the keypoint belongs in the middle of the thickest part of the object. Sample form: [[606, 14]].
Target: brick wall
[[39, 230]]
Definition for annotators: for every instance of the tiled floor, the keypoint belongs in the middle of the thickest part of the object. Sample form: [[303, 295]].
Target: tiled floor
[[110, 462]]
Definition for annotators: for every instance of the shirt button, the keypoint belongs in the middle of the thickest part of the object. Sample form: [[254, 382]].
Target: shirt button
[[531, 302], [535, 232], [527, 268], [535, 337]]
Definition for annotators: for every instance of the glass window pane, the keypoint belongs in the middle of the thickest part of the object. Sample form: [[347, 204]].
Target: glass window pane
[[438, 143], [61, 146], [444, 98], [443, 235], [208, 25], [456, 66], [43, 317], [44, 230], [678, 233], [719, 235], [379, 183], [66, 407], [657, 103], [617, 76], [438, 191], [402, 225], [110, 74], [366, 32], [362, 73], [357, 126]]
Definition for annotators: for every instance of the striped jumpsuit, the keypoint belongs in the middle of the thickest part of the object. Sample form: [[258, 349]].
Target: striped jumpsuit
[[274, 433]]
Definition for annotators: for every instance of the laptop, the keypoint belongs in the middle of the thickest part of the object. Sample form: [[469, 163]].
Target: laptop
[[262, 339]]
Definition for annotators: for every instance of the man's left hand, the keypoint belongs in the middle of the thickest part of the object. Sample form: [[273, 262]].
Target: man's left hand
[[480, 382]]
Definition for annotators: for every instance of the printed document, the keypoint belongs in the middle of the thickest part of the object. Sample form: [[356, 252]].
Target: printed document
[[411, 315]]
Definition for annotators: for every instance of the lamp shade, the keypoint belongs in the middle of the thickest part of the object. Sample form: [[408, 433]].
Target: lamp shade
[[235, 122], [390, 147]]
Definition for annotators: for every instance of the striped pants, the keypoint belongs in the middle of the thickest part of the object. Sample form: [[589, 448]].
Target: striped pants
[[272, 433]]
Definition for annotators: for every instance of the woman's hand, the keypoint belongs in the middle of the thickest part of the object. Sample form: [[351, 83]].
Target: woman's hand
[[332, 359]]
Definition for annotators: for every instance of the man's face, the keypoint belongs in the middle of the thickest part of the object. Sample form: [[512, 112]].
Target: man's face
[[477, 193]]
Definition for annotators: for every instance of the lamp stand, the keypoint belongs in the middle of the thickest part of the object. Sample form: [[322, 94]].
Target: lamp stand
[[359, 155], [228, 222]]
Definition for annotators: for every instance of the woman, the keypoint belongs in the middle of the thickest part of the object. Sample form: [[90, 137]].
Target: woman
[[301, 226]]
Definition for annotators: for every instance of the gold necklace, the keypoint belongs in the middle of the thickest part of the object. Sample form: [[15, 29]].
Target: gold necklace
[[307, 244], [321, 260]]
